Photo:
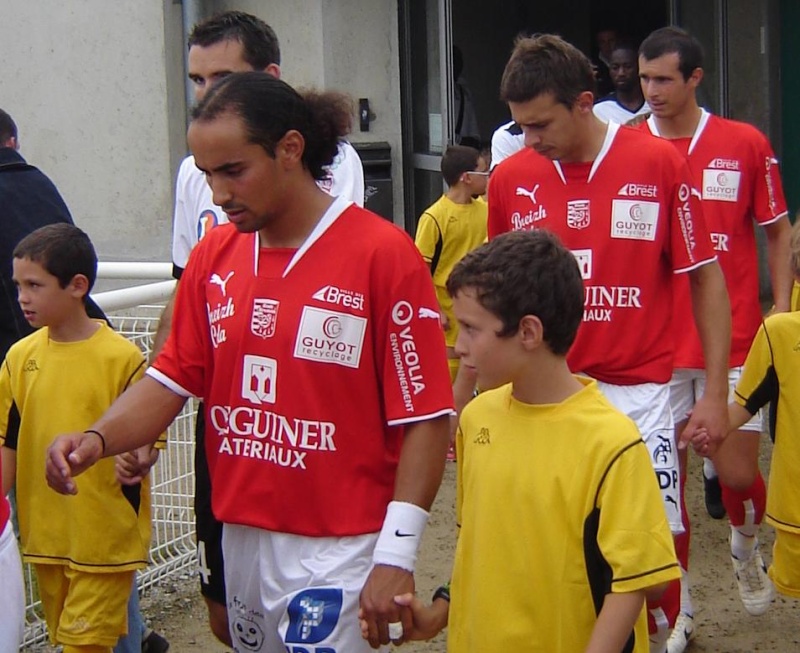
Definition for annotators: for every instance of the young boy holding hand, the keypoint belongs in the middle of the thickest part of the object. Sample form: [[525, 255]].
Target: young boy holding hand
[[562, 527]]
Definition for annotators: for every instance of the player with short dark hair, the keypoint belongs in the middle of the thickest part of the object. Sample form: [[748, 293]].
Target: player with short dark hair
[[230, 42], [300, 290], [623, 203], [740, 185], [592, 551], [260, 45]]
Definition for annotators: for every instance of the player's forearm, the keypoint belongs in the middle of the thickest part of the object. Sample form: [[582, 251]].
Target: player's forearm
[[422, 460], [712, 315], [778, 261], [138, 416], [164, 327], [615, 622], [737, 415]]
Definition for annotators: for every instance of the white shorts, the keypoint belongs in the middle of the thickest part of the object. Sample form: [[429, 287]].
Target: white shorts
[[12, 598], [647, 404], [687, 386], [293, 593]]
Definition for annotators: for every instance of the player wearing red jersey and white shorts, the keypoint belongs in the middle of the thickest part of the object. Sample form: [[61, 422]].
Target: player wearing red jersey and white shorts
[[306, 327], [232, 41], [624, 203], [740, 183]]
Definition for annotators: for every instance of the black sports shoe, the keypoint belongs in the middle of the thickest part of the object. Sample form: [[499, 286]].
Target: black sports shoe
[[713, 493], [154, 643]]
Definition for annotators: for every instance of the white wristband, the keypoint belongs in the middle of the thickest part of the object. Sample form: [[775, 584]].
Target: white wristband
[[400, 536]]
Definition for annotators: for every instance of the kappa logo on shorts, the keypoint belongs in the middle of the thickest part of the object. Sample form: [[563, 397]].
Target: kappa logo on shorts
[[313, 615], [264, 317], [259, 377], [578, 214]]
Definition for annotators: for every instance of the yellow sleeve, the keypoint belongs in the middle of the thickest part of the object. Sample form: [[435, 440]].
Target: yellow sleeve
[[633, 533], [6, 400], [428, 234], [758, 382], [796, 296]]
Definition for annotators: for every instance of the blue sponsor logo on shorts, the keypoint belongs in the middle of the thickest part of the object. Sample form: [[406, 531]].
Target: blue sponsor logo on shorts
[[313, 614]]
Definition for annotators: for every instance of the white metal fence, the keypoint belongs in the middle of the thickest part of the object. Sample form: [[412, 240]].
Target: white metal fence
[[172, 546]]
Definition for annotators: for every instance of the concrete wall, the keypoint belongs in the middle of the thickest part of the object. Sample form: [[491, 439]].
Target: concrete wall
[[97, 90], [87, 85], [349, 45]]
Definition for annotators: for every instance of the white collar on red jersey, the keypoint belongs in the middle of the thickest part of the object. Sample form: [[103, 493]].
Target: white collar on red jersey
[[330, 216], [611, 133], [701, 125]]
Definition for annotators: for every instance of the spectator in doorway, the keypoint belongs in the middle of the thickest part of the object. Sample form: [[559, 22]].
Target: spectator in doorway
[[626, 101]]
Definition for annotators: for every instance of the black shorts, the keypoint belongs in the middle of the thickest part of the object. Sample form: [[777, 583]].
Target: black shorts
[[208, 530]]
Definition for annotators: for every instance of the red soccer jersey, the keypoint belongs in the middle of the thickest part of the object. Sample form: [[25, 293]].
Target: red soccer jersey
[[740, 182], [632, 220], [309, 361]]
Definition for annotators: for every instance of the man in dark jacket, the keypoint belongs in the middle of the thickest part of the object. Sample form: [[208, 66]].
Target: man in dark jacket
[[28, 200]]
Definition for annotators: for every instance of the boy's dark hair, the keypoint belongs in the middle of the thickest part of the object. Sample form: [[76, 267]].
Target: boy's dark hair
[[674, 39], [269, 108], [8, 128], [546, 63], [525, 273], [259, 41], [457, 160], [61, 249]]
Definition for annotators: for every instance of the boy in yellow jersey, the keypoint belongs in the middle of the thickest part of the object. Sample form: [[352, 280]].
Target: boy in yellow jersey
[[562, 527], [771, 374], [84, 549], [452, 226]]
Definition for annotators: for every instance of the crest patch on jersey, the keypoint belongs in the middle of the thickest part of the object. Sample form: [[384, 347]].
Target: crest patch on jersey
[[578, 216], [264, 317]]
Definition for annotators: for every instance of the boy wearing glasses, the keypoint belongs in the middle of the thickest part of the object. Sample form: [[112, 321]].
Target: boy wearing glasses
[[452, 227]]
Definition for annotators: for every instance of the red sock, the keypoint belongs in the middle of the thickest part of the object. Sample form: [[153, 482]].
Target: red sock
[[738, 503], [670, 603], [682, 540]]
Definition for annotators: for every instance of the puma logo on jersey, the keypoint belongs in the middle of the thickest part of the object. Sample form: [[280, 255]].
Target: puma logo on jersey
[[530, 194], [428, 312], [219, 281]]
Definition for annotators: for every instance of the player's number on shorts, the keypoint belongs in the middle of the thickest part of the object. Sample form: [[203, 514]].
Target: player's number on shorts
[[202, 567]]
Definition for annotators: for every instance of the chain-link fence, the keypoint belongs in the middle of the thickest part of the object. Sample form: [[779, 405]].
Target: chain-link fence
[[172, 547]]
